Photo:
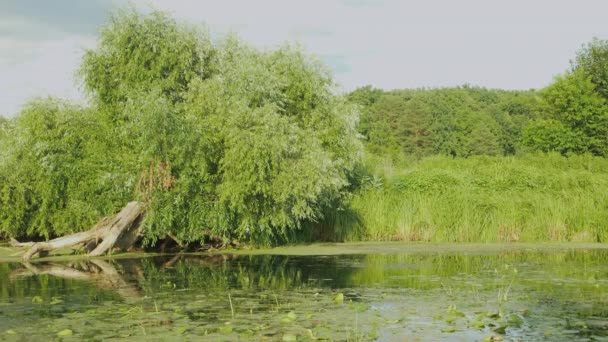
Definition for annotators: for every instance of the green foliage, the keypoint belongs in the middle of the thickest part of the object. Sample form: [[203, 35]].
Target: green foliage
[[575, 107], [569, 116], [365, 97], [5, 126], [593, 60], [576, 117], [461, 121], [485, 199], [145, 52], [218, 139], [54, 163], [548, 136]]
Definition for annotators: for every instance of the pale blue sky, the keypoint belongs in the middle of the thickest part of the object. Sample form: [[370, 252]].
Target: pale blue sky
[[515, 44]]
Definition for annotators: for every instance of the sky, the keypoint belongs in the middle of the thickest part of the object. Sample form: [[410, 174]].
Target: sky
[[514, 44]]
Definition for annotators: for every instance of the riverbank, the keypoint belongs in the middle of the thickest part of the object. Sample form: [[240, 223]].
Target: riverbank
[[12, 254]]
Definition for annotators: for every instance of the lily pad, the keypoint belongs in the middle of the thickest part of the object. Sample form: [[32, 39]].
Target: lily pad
[[226, 329], [450, 319], [65, 333], [290, 317], [289, 338], [339, 298], [515, 319], [501, 329], [56, 301], [477, 324]]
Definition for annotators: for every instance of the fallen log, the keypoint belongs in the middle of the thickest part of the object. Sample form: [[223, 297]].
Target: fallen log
[[97, 240]]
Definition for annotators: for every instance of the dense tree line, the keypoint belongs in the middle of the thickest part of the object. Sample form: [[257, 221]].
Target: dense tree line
[[568, 116], [461, 122]]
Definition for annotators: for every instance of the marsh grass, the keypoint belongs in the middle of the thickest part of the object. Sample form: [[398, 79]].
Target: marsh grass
[[528, 198]]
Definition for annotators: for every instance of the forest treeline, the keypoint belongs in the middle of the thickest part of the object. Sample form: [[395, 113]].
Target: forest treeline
[[460, 122], [219, 140], [569, 116]]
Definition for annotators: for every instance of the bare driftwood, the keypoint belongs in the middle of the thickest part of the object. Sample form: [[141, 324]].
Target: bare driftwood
[[16, 243], [121, 230]]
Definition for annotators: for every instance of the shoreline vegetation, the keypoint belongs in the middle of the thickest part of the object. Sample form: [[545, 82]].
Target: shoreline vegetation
[[531, 198], [192, 144]]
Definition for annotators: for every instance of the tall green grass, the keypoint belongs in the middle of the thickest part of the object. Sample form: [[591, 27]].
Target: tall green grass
[[531, 198]]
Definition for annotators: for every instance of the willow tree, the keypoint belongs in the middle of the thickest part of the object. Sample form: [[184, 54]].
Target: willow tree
[[201, 139]]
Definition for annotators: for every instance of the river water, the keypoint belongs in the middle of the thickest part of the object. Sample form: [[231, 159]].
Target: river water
[[395, 293]]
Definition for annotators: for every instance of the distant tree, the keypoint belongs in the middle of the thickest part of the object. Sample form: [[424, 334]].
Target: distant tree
[[422, 122], [549, 135], [513, 113], [574, 109], [482, 140], [593, 60], [365, 97], [414, 128], [384, 123]]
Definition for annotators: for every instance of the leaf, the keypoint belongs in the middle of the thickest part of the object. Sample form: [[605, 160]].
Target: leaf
[[339, 298], [477, 324], [289, 338], [226, 329], [65, 333], [500, 330], [292, 315], [56, 301], [515, 319]]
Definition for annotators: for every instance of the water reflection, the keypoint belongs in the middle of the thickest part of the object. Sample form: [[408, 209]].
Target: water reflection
[[513, 295]]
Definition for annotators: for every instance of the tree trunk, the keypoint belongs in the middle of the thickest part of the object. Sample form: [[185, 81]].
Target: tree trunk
[[108, 231]]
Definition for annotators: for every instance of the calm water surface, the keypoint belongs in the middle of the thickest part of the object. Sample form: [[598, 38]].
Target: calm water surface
[[508, 295]]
